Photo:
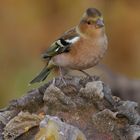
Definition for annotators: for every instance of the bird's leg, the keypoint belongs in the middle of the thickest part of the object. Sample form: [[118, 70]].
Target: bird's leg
[[62, 75], [85, 73], [53, 82]]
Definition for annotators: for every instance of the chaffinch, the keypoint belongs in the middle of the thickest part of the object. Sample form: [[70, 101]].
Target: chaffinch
[[79, 48]]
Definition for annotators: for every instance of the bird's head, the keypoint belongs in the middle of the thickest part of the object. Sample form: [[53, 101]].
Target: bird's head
[[92, 22]]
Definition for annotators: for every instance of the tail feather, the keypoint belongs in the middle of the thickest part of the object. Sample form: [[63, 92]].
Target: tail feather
[[42, 75]]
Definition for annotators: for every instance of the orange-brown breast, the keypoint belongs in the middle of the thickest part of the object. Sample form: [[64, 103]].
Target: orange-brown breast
[[85, 53]]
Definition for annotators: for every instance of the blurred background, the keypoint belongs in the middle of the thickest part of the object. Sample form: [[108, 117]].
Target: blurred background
[[27, 27]]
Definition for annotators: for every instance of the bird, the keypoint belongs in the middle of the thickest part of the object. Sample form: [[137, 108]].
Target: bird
[[79, 48]]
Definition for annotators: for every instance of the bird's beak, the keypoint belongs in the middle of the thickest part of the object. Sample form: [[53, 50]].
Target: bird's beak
[[99, 23]]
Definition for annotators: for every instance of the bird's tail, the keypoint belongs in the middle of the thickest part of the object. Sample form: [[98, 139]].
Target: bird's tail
[[43, 74]]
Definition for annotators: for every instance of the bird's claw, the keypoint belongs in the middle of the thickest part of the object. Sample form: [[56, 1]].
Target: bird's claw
[[63, 80]]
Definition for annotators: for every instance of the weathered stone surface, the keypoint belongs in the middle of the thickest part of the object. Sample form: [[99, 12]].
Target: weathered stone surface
[[85, 104]]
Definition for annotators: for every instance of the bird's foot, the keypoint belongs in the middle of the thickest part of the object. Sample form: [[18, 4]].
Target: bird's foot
[[87, 75], [62, 80], [58, 81]]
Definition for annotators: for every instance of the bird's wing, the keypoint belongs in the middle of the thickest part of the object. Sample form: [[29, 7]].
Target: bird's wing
[[63, 44]]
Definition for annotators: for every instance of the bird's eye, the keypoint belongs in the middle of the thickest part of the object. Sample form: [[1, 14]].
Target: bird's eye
[[89, 22]]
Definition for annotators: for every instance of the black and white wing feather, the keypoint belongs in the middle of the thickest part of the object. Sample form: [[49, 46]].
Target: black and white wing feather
[[63, 44]]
